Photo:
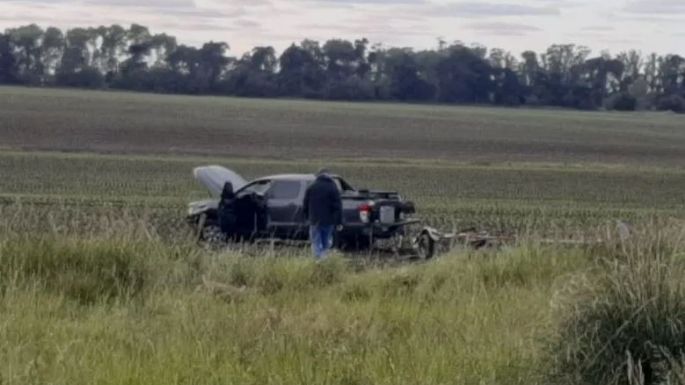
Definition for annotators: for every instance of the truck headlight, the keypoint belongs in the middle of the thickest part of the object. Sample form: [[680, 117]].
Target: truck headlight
[[193, 210]]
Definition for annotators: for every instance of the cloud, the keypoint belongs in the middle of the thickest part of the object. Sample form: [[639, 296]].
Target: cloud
[[185, 8], [405, 23], [113, 3], [247, 23], [651, 18], [146, 3], [216, 4], [203, 27], [384, 29], [485, 9], [38, 1], [371, 2], [599, 28], [502, 28], [565, 3], [620, 41], [665, 7]]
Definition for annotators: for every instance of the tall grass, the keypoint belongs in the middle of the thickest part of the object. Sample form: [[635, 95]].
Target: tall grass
[[112, 301], [101, 310], [623, 322], [82, 270]]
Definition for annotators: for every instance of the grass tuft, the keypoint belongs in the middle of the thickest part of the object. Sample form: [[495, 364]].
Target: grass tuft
[[624, 321], [85, 270]]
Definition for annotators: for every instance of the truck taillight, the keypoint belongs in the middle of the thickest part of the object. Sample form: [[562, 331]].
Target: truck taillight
[[365, 212]]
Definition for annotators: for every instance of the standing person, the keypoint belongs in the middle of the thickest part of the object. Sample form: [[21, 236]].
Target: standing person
[[323, 210], [226, 211]]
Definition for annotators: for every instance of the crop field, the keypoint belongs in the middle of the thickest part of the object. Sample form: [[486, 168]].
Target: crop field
[[101, 281], [283, 129], [562, 201]]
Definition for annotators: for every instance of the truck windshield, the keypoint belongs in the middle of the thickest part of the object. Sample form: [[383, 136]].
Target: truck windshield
[[258, 187], [340, 182], [342, 185]]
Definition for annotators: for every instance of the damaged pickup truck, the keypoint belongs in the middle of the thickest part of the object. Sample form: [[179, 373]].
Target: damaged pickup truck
[[272, 208]]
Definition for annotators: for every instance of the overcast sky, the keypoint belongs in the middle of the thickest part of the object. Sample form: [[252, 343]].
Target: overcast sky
[[516, 25]]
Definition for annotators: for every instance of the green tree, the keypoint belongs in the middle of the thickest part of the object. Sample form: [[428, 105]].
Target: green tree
[[8, 69], [347, 68], [464, 76], [53, 49], [672, 70], [404, 78], [212, 63], [26, 42], [563, 65], [301, 71], [254, 74], [341, 59], [632, 64], [78, 65], [113, 48]]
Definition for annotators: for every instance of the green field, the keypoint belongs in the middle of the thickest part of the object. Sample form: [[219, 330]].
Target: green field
[[498, 169], [155, 124], [502, 198], [101, 282]]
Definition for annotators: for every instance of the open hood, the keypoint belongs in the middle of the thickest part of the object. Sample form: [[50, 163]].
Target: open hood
[[215, 177]]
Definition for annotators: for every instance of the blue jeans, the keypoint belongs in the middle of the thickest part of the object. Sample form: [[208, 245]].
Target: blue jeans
[[321, 237]]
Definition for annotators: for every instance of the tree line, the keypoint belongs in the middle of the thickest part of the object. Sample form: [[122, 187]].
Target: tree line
[[135, 59]]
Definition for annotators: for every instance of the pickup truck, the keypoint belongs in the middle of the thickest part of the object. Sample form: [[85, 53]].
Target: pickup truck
[[271, 208]]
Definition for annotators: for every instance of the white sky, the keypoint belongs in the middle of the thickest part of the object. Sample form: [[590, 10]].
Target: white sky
[[515, 25]]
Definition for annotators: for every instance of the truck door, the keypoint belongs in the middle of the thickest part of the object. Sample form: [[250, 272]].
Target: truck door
[[250, 209], [285, 208]]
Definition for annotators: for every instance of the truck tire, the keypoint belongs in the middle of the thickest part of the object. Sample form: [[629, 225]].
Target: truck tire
[[211, 234], [425, 246]]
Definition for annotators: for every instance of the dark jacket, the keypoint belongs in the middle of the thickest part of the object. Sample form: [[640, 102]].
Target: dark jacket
[[322, 202], [227, 215]]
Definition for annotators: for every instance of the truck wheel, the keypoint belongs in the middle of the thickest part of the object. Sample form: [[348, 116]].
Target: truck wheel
[[425, 246], [212, 235]]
